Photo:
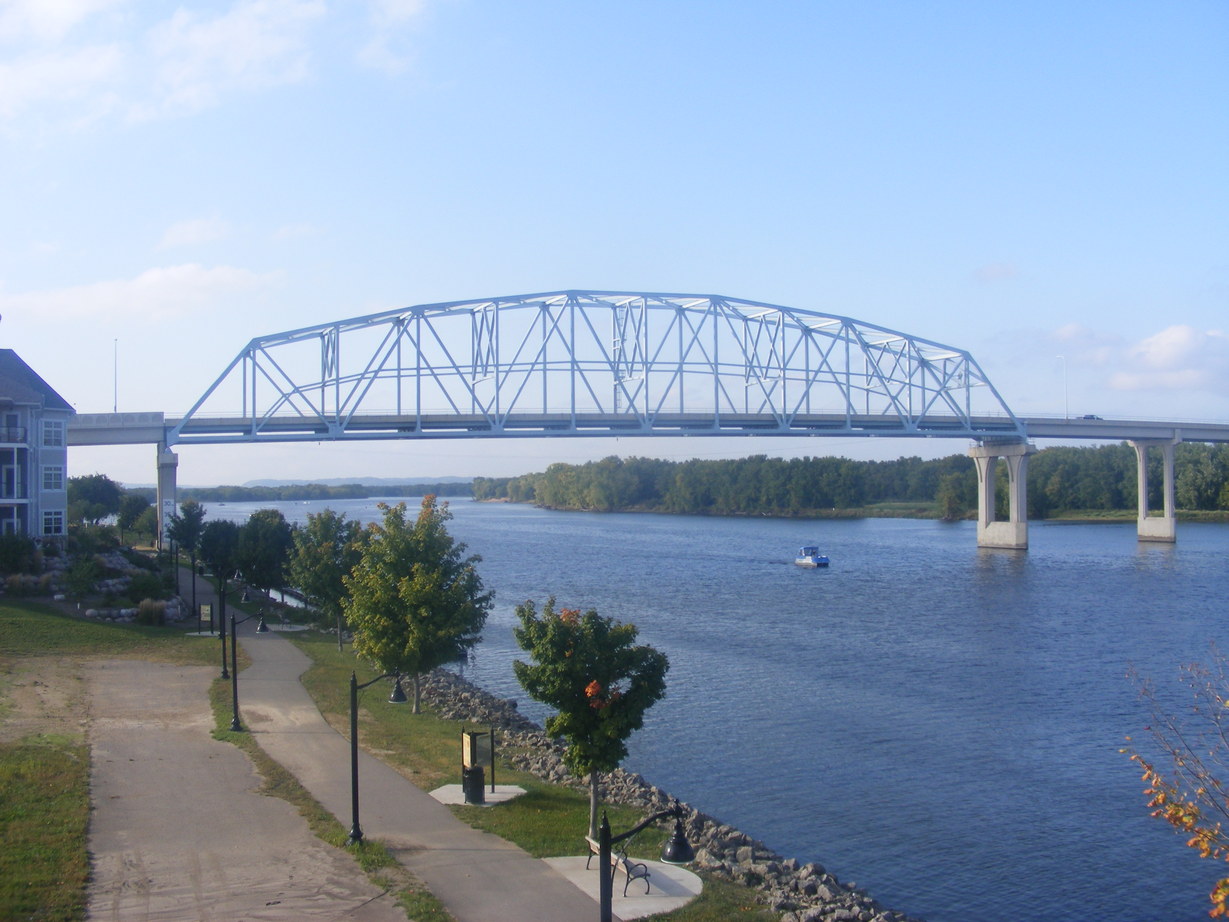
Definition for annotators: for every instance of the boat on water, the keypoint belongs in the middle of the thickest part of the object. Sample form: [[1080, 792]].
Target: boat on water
[[809, 556]]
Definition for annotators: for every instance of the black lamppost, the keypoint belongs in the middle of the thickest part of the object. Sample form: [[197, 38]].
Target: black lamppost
[[222, 623], [676, 851], [234, 670], [356, 832]]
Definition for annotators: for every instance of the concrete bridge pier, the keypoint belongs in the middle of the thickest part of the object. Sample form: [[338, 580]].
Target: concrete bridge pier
[[168, 462], [1014, 532], [1165, 526]]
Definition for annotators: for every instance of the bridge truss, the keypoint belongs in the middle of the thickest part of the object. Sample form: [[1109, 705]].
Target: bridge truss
[[595, 363]]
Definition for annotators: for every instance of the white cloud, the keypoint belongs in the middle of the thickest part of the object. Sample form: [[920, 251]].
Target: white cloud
[[388, 18], [165, 293], [47, 20], [69, 52], [190, 233], [256, 44], [1180, 357], [65, 63], [75, 76]]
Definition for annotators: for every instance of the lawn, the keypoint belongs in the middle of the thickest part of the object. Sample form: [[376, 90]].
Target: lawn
[[547, 821]]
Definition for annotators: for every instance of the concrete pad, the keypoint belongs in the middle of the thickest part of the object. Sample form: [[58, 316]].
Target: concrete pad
[[669, 886], [455, 794]]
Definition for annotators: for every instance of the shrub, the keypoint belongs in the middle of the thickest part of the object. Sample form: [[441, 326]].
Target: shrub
[[152, 612], [17, 554], [81, 576], [21, 584], [139, 560], [144, 586]]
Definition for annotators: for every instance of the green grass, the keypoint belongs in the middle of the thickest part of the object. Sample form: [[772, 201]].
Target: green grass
[[35, 629], [549, 820], [44, 811]]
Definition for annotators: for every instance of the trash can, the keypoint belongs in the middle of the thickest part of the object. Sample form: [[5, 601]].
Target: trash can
[[473, 785]]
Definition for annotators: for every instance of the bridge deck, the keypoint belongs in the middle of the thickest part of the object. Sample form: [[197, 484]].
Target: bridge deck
[[154, 428]]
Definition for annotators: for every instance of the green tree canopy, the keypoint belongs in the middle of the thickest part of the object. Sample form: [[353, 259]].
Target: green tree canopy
[[131, 505], [264, 548], [186, 526], [590, 669], [184, 530], [324, 552], [219, 549], [414, 600], [92, 498]]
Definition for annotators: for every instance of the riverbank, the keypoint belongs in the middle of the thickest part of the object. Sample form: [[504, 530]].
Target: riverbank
[[801, 892], [903, 511]]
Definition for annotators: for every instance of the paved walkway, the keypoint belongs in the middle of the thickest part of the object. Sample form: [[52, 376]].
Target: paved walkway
[[215, 853], [178, 832], [478, 876]]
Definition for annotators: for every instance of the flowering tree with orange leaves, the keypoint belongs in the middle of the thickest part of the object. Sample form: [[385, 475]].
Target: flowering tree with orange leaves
[[1193, 795], [590, 669]]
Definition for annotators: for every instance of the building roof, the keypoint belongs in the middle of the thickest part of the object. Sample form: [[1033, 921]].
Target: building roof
[[21, 384]]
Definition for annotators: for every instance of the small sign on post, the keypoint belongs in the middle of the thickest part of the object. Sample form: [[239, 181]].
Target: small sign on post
[[477, 750], [206, 614]]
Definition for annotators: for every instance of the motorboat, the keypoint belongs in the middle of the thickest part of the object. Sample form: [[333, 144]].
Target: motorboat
[[809, 556]]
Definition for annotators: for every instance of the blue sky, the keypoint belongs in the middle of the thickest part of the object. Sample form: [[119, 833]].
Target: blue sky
[[1025, 181]]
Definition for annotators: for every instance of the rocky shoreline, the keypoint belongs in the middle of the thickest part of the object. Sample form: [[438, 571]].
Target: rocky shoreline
[[801, 892]]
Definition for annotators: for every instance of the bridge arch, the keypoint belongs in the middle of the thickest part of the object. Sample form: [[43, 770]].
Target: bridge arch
[[595, 363]]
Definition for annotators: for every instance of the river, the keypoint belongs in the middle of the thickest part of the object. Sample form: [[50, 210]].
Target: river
[[940, 724]]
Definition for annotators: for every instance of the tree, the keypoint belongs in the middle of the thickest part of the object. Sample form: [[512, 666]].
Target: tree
[[1193, 794], [415, 601], [185, 529], [951, 496], [591, 671], [264, 547], [131, 505], [147, 523], [324, 552], [92, 498], [219, 550]]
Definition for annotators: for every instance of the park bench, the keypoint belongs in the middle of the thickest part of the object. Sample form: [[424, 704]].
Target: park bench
[[635, 870]]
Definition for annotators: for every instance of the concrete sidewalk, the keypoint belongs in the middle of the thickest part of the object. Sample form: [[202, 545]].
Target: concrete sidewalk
[[178, 830], [477, 876]]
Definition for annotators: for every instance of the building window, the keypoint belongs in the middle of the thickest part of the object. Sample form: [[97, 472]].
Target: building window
[[53, 433], [53, 522], [53, 477]]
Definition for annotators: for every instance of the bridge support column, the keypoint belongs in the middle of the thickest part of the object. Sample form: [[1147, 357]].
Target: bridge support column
[[1014, 532], [1165, 526], [168, 462]]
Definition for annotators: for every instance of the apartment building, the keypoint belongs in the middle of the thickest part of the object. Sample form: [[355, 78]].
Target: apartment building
[[33, 452]]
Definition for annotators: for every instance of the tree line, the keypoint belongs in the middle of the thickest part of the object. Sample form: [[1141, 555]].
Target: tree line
[[298, 492], [1061, 480]]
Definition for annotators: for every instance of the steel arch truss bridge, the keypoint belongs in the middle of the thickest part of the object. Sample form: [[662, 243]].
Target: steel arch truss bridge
[[595, 363]]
